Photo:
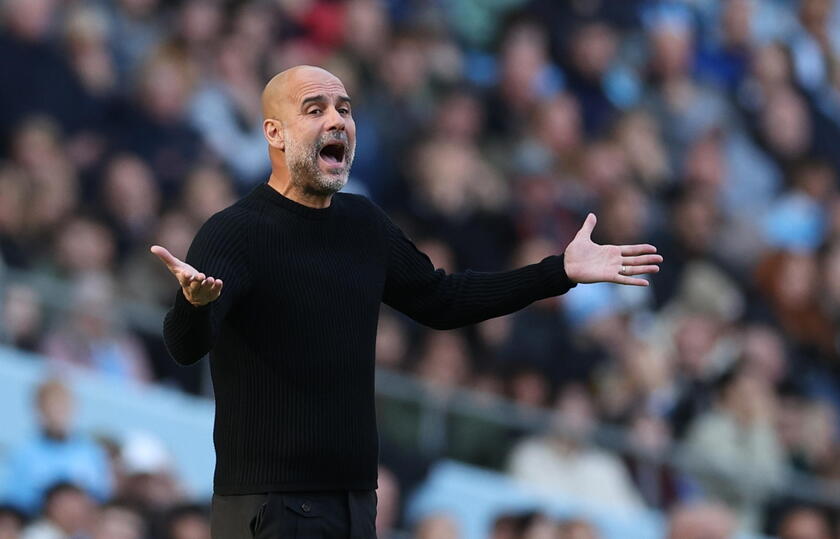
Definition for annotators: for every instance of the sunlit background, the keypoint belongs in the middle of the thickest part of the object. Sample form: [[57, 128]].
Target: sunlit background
[[703, 406]]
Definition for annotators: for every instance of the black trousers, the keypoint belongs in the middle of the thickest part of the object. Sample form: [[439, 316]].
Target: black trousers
[[295, 515]]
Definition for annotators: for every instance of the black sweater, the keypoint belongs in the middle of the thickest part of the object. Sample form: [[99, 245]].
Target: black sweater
[[292, 336]]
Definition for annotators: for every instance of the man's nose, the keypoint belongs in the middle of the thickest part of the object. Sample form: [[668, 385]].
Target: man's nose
[[335, 121]]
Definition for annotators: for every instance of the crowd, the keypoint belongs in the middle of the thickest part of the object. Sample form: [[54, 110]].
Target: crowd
[[487, 130]]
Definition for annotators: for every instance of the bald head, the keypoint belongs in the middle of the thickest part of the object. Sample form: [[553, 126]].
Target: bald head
[[310, 130], [281, 90]]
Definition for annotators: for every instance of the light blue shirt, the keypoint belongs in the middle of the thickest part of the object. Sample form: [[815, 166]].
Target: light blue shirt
[[43, 461]]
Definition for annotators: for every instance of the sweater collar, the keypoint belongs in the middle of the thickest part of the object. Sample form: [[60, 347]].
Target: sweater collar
[[266, 192]]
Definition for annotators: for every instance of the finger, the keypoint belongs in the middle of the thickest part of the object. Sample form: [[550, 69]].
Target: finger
[[194, 279], [168, 258], [634, 250], [185, 275], [639, 270], [206, 283], [588, 226], [641, 260], [633, 281]]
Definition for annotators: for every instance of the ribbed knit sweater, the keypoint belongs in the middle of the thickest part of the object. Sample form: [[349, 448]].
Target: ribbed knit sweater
[[292, 336]]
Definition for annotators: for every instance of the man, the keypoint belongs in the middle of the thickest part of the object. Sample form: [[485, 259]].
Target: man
[[68, 513], [57, 454], [304, 270], [701, 520]]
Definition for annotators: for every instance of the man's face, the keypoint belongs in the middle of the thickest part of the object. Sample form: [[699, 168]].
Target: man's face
[[319, 134], [56, 409]]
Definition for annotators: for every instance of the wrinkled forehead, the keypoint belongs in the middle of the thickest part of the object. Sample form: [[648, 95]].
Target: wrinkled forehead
[[314, 84]]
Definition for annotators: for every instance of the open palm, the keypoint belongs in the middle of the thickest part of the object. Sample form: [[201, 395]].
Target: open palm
[[587, 262], [199, 289]]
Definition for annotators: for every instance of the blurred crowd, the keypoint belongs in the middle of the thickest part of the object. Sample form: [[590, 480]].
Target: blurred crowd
[[67, 484], [487, 130]]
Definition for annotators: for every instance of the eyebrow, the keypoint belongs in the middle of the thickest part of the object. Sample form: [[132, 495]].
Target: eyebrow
[[320, 98]]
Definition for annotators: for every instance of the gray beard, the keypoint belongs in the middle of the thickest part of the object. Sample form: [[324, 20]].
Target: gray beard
[[305, 172]]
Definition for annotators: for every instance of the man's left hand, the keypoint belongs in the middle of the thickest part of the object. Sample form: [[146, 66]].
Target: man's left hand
[[587, 262]]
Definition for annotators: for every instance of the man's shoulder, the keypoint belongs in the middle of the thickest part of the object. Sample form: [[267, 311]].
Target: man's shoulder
[[39, 446], [234, 217], [359, 204]]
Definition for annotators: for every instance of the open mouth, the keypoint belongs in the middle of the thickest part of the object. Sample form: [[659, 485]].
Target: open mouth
[[333, 153]]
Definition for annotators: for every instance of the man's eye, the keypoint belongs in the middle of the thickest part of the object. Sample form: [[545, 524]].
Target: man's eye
[[314, 111], [344, 110]]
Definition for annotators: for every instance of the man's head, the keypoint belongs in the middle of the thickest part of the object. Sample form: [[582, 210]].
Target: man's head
[[55, 408], [701, 521], [12, 522], [804, 523], [309, 127], [69, 508]]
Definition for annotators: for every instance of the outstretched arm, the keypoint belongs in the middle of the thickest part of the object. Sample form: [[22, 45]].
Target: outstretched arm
[[192, 324], [445, 301]]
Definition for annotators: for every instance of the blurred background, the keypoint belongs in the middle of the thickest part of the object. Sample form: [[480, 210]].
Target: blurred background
[[704, 406]]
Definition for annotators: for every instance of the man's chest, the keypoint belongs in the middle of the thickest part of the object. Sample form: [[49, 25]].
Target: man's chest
[[322, 267]]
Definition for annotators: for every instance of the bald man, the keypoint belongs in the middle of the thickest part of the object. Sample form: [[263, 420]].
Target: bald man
[[283, 289]]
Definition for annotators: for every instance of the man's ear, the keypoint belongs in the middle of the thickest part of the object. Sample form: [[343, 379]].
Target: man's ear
[[273, 132]]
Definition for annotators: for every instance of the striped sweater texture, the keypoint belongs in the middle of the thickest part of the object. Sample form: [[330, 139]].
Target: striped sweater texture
[[291, 339]]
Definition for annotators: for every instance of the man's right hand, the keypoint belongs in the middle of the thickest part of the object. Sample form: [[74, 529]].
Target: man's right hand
[[199, 289]]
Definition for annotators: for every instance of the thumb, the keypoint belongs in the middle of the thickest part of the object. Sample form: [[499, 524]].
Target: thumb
[[183, 272], [165, 256], [588, 226]]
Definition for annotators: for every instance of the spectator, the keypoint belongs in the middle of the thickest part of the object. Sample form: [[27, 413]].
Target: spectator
[[39, 68], [93, 339], [738, 437], [542, 527], [701, 521], [804, 523], [577, 529], [156, 128], [139, 30], [815, 44], [84, 247], [68, 512], [188, 522], [150, 482], [658, 482], [795, 304], [21, 323], [131, 201], [226, 111], [206, 191], [119, 521], [58, 453], [564, 464], [144, 280], [436, 527], [12, 522]]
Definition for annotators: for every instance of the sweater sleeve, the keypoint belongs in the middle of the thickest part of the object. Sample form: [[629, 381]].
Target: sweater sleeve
[[217, 250], [446, 301]]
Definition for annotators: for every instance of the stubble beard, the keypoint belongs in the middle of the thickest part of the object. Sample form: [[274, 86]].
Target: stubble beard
[[303, 166]]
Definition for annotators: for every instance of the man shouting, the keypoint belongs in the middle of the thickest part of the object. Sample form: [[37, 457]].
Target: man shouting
[[283, 289]]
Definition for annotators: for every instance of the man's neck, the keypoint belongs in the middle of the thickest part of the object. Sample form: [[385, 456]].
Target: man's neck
[[285, 187]]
